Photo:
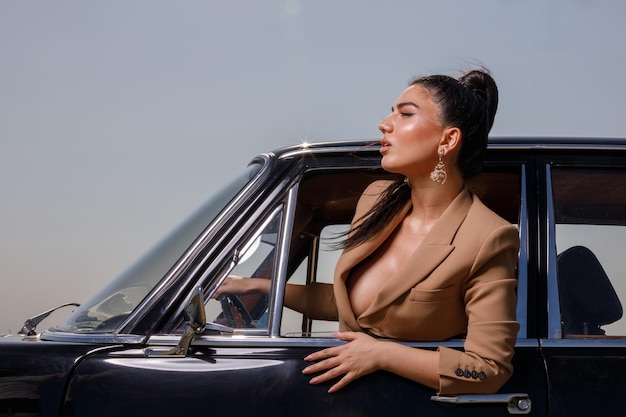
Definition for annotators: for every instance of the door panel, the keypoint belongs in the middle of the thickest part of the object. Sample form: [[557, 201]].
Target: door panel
[[258, 381], [586, 378]]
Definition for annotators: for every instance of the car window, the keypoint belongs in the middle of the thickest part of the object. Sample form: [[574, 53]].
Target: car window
[[254, 259], [590, 233], [325, 207]]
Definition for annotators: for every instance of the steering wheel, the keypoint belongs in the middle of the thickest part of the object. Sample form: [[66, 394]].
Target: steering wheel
[[111, 323], [235, 313]]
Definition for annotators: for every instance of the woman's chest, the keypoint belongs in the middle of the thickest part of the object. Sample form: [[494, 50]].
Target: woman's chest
[[367, 278]]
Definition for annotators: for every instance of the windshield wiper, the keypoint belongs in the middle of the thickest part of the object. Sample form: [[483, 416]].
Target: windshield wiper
[[31, 324]]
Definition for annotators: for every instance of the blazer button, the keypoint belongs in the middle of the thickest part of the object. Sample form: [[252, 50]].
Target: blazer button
[[474, 375], [467, 373], [458, 372], [481, 375]]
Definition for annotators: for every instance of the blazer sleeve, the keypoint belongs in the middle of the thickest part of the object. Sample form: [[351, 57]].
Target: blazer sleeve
[[315, 300], [490, 303]]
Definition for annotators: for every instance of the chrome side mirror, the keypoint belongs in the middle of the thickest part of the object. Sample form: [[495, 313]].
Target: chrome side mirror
[[195, 318]]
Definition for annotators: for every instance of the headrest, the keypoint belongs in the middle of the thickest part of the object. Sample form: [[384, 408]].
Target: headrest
[[587, 298]]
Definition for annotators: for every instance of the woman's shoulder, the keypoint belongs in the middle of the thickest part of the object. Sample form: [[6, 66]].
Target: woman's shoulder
[[483, 218]]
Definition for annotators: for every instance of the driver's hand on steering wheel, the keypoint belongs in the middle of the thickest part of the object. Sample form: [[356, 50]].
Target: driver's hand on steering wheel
[[234, 284]]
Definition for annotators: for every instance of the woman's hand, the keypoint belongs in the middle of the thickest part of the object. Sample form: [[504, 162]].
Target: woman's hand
[[234, 284], [359, 357]]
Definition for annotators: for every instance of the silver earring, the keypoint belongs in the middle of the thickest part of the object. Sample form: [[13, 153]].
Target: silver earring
[[439, 174], [407, 182]]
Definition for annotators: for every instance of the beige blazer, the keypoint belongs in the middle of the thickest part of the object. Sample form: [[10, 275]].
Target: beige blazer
[[459, 282]]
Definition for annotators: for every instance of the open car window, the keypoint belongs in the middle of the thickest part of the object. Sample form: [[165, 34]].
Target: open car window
[[325, 207]]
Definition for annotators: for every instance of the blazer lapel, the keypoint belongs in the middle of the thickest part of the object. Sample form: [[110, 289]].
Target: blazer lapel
[[352, 257], [433, 250]]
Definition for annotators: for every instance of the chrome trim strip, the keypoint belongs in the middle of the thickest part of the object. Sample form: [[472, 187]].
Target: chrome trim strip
[[527, 343], [522, 263], [594, 342], [558, 146], [554, 309], [365, 147], [373, 145], [95, 338], [247, 341], [278, 287], [516, 403]]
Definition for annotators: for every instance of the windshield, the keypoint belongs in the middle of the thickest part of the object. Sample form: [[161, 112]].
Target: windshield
[[109, 307]]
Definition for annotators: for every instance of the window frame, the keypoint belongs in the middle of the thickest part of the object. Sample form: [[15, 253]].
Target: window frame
[[555, 332], [523, 263]]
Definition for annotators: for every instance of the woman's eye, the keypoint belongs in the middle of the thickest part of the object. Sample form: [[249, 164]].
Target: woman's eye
[[404, 114]]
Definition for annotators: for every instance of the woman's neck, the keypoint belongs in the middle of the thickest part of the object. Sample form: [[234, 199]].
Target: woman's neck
[[430, 200]]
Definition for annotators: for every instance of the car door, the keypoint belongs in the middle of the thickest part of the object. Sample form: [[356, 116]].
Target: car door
[[245, 355], [503, 186], [585, 347]]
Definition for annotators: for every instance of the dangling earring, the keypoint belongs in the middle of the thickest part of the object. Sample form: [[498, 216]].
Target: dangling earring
[[407, 182], [439, 174]]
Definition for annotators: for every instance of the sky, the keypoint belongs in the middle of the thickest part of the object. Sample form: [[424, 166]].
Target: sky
[[118, 118]]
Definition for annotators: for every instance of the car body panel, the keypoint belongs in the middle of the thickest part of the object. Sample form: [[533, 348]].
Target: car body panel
[[245, 380]]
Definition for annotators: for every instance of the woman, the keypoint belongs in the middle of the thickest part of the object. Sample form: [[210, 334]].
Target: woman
[[425, 260]]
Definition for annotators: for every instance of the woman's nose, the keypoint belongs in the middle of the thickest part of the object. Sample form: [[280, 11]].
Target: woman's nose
[[385, 126]]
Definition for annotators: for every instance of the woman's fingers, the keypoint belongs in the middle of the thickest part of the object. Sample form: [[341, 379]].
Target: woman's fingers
[[347, 362]]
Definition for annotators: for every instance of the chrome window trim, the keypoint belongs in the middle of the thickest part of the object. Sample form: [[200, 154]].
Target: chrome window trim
[[127, 339], [558, 146], [278, 286], [598, 342], [249, 341], [495, 143], [522, 264], [305, 150], [554, 309]]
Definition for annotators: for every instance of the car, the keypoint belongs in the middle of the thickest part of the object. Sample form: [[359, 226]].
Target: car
[[155, 341]]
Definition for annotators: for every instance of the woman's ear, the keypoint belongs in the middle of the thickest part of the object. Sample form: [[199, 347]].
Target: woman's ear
[[451, 139]]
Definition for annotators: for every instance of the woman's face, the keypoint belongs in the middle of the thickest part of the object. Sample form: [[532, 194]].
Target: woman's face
[[411, 134]]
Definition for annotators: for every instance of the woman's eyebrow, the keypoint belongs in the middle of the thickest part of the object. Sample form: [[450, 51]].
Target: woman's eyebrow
[[404, 104]]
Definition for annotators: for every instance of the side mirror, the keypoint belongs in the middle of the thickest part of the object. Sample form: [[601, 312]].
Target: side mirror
[[194, 313], [195, 317]]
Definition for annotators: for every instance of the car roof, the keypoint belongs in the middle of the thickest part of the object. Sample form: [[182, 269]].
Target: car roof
[[495, 142]]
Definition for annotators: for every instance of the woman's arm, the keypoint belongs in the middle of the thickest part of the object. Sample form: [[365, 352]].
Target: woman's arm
[[363, 355], [316, 300], [485, 365]]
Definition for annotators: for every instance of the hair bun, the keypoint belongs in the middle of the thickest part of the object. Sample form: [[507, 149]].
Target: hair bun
[[483, 85]]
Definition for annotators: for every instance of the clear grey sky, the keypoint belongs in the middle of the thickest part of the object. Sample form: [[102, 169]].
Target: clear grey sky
[[118, 118]]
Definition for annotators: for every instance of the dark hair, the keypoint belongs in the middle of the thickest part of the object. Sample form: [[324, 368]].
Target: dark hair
[[470, 104]]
